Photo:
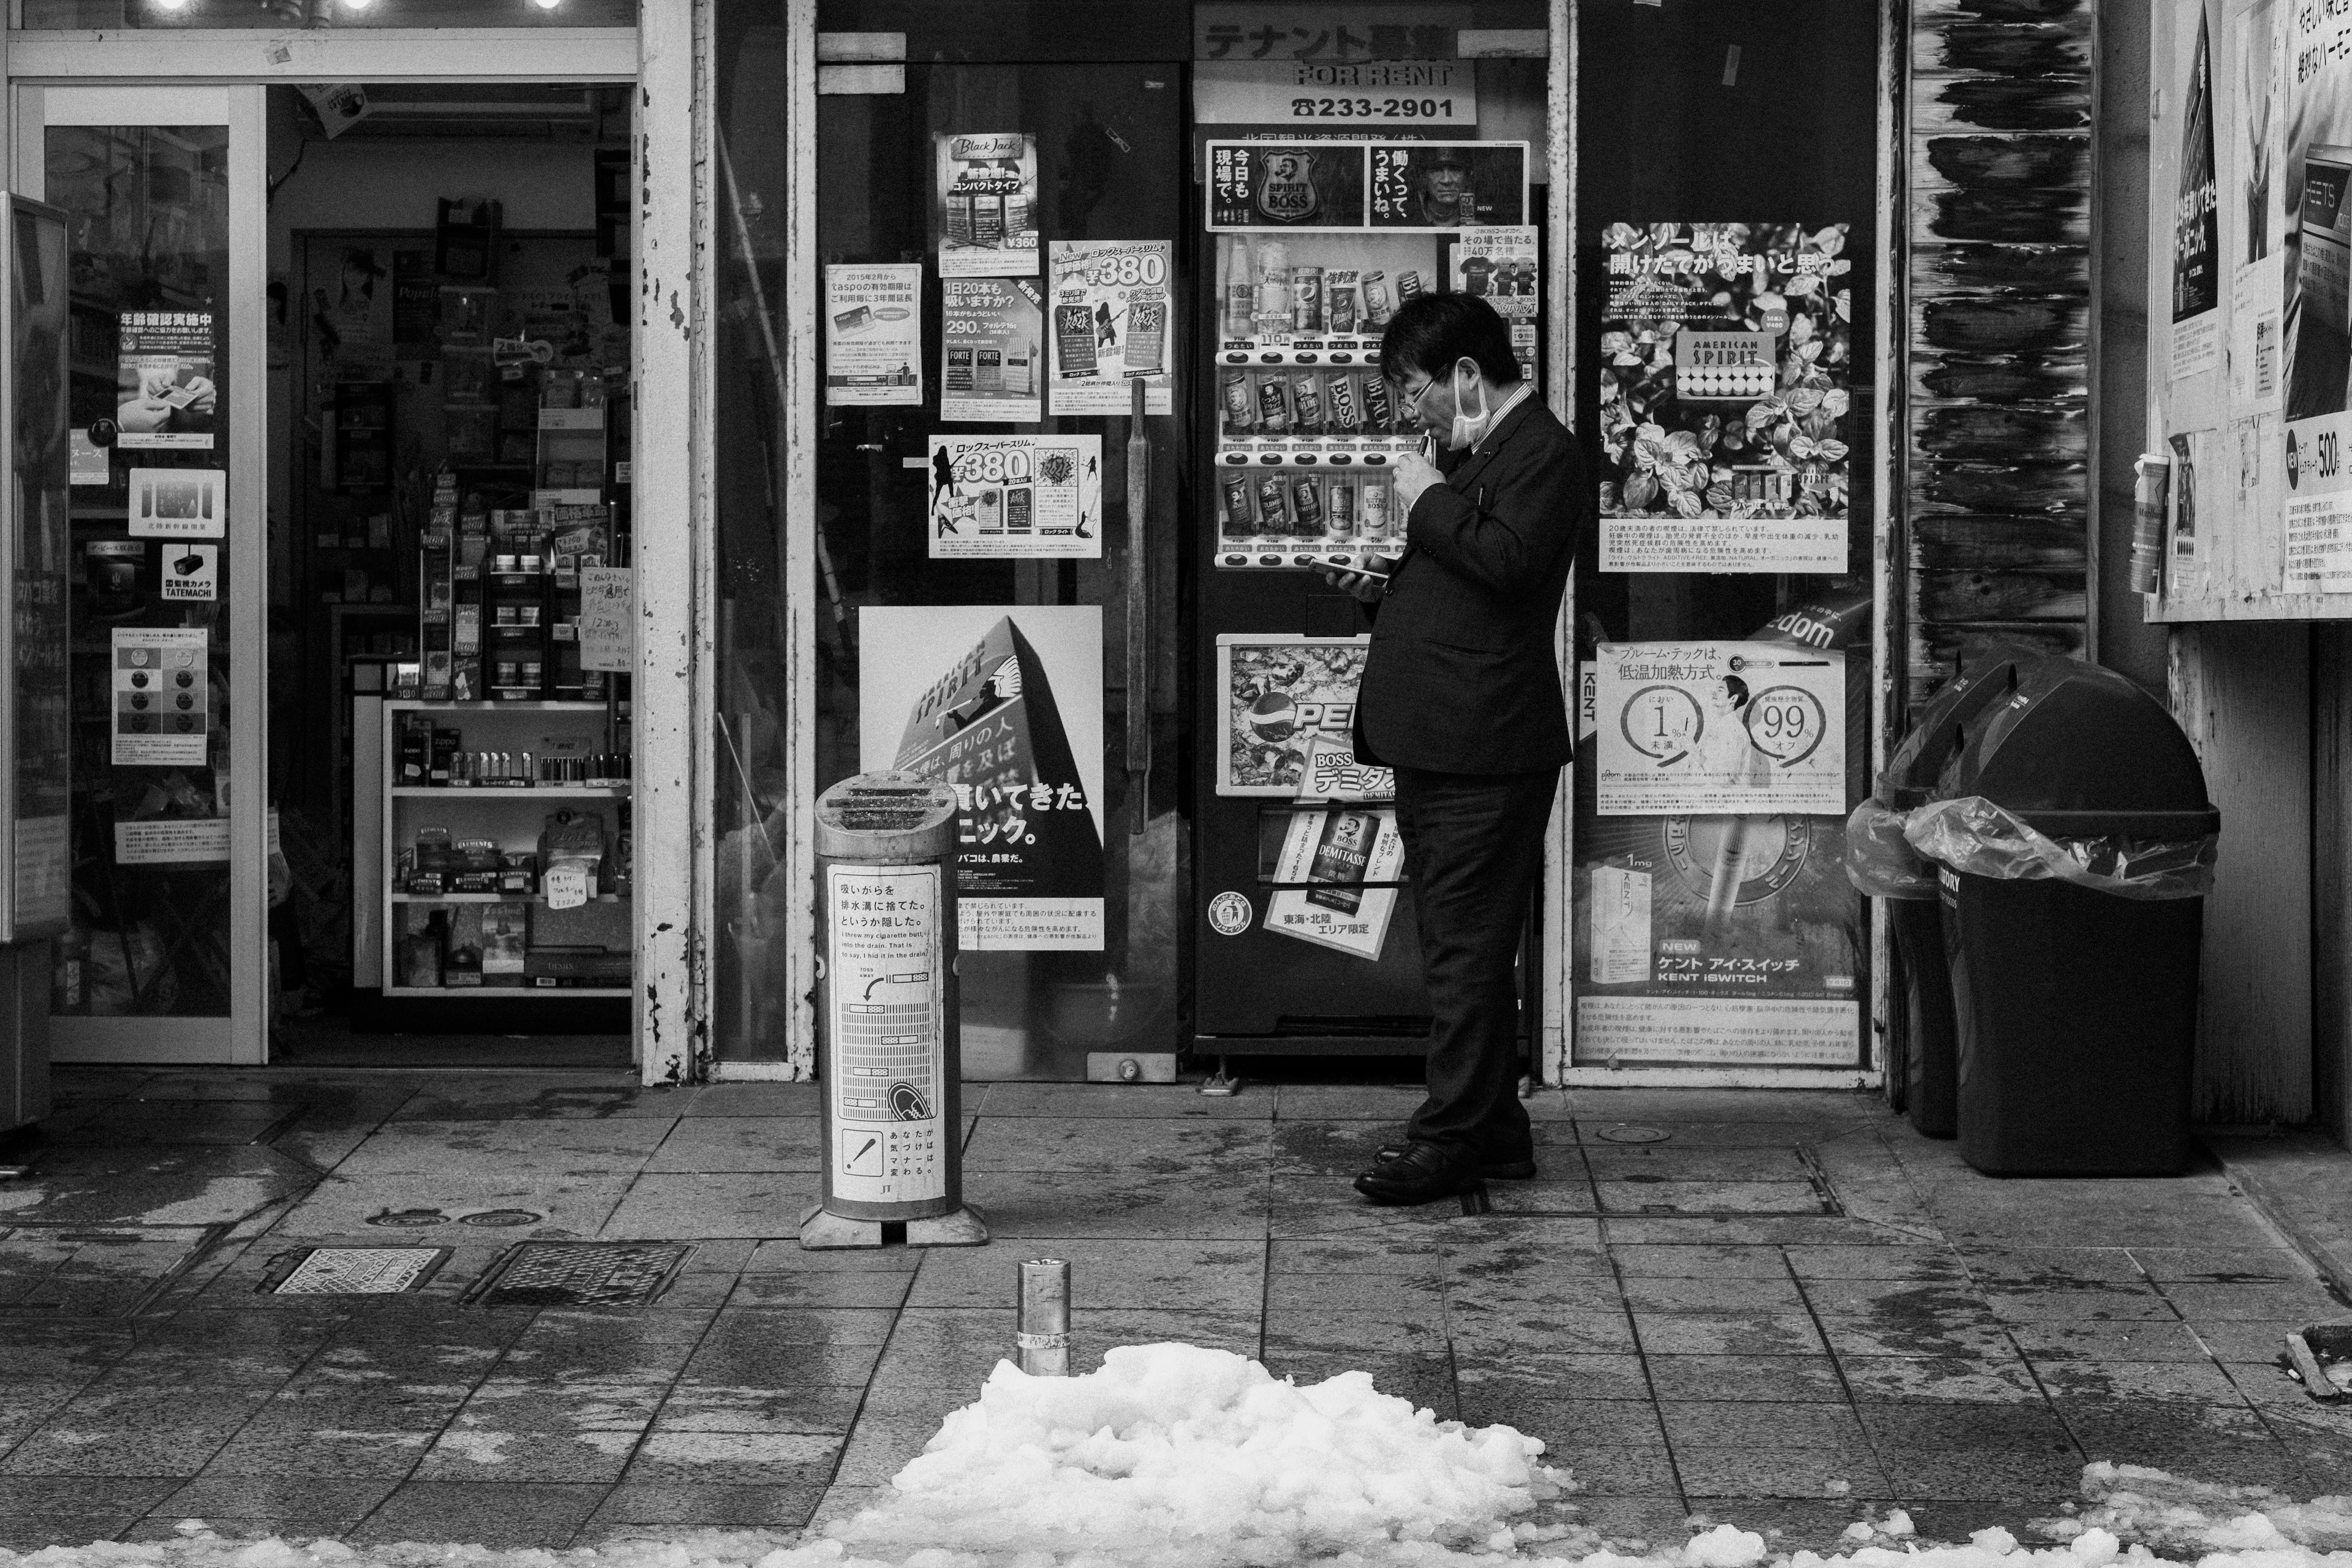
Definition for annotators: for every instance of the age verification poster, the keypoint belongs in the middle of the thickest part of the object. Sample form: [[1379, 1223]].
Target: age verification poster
[[1726, 368], [1005, 703]]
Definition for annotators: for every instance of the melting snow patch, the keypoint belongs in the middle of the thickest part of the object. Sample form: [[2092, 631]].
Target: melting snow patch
[[1174, 1456]]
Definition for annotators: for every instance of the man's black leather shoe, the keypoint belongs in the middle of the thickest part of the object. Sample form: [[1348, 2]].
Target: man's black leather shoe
[[1422, 1173], [1522, 1169]]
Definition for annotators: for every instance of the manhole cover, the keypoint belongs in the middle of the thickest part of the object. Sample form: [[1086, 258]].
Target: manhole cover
[[501, 1218], [581, 1274], [1628, 1133], [408, 1219], [356, 1270]]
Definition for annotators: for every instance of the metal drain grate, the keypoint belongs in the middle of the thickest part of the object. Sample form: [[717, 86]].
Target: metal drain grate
[[354, 1270], [581, 1274]]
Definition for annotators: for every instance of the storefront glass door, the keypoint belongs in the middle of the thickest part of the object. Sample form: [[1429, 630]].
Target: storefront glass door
[[167, 957]]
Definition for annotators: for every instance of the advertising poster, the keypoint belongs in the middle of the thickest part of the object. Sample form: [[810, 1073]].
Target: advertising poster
[[1716, 727], [998, 498], [1004, 702], [1503, 267], [1722, 940], [2197, 238], [164, 396], [178, 504], [991, 330], [1727, 364], [2253, 233], [1279, 698], [874, 335], [1112, 324], [162, 700], [1347, 853], [987, 184], [1396, 187]]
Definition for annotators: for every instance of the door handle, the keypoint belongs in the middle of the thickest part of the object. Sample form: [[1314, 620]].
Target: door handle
[[1139, 616]]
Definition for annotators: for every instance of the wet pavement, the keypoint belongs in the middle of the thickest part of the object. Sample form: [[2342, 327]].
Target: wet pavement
[[1785, 1309]]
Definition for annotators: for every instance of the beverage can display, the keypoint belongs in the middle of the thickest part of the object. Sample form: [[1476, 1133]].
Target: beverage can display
[[1273, 505], [1377, 412], [1273, 406], [1274, 287], [1241, 287], [1339, 507], [1375, 509], [1306, 503], [1240, 411], [1240, 518], [1340, 402], [1377, 308], [1307, 299], [1408, 284], [1339, 301], [1306, 403]]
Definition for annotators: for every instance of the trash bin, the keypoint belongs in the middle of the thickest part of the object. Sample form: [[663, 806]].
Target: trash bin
[[1881, 862], [2074, 844]]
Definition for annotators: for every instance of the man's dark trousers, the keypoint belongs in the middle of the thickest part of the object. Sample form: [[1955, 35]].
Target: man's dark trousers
[[1473, 851]]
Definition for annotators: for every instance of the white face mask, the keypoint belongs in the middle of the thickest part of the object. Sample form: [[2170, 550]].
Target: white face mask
[[1469, 431]]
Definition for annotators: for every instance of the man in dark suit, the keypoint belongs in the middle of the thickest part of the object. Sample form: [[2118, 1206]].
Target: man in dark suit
[[1461, 696]]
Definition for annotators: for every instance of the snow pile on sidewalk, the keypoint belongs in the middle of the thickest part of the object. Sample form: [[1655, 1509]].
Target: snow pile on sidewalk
[[1201, 1457]]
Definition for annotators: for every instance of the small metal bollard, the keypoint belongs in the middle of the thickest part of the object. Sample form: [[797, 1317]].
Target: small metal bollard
[[1042, 1333]]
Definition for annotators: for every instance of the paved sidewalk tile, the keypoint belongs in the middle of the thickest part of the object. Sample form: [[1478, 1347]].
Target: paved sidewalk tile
[[1788, 1312]]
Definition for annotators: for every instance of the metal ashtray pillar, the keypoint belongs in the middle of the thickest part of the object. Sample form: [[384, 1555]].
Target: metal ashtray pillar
[[888, 1054]]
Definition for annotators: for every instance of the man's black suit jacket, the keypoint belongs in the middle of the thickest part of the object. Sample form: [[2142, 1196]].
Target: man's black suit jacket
[[1462, 678]]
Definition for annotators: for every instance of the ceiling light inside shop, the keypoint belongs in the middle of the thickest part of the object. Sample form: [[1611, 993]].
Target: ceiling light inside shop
[[547, 5]]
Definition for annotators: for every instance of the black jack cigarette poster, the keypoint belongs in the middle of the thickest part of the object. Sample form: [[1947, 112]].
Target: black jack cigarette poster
[[1727, 367], [164, 395], [987, 186], [1113, 325], [1004, 702]]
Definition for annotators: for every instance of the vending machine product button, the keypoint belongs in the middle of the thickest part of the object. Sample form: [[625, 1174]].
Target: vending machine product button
[[1376, 459], [1306, 359], [1237, 358], [1270, 559], [1302, 560], [1304, 459], [1271, 459], [1343, 358], [1234, 561], [1236, 456], [1341, 459], [1270, 359]]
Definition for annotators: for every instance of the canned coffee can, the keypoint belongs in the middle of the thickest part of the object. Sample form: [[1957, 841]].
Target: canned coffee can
[[1307, 299], [1306, 402], [1339, 307], [1273, 505], [1306, 503], [1377, 308], [1376, 402], [1340, 402], [1237, 400], [1239, 518], [1273, 406], [1376, 509], [1408, 284], [1339, 507]]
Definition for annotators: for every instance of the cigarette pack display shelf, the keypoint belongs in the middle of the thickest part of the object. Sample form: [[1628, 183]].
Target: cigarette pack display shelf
[[476, 911]]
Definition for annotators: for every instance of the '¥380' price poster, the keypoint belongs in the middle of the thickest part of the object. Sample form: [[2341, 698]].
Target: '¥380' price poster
[[1110, 301]]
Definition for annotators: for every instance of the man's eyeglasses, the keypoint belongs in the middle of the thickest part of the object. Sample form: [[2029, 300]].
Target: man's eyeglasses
[[1411, 395]]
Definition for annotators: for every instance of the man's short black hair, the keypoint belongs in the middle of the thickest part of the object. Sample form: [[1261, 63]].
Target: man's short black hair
[[1429, 333]]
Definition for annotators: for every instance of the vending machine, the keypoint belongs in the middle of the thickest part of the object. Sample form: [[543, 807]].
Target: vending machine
[[1304, 935]]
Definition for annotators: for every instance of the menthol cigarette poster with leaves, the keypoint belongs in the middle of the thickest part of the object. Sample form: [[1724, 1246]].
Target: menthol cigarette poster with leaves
[[1726, 370]]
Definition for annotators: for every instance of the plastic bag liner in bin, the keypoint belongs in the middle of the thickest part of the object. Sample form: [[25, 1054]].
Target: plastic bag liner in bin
[[1879, 858], [1971, 834]]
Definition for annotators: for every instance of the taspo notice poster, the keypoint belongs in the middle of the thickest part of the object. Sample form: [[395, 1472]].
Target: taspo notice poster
[[1004, 702], [874, 335], [1726, 368]]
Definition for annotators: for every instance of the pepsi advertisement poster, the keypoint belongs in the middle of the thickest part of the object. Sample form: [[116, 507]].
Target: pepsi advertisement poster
[[1279, 695]]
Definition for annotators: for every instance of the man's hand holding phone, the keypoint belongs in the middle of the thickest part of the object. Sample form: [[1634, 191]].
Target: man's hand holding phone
[[1366, 579]]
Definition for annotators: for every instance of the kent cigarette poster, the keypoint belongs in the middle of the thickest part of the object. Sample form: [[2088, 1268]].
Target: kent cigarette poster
[[1725, 367], [161, 697], [992, 331], [1719, 727], [874, 335], [1113, 324], [1280, 698], [164, 395], [998, 498], [987, 186], [1005, 703]]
